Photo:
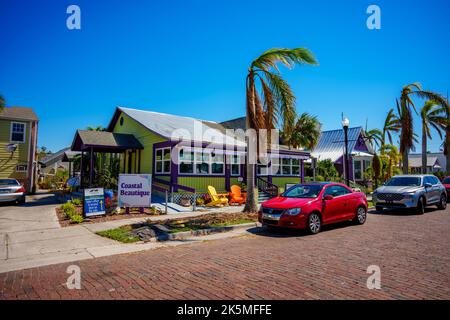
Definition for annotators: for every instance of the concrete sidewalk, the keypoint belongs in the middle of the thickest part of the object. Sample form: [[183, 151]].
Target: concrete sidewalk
[[30, 235]]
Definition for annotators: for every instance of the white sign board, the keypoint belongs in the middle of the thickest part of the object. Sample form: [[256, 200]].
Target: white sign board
[[135, 190]]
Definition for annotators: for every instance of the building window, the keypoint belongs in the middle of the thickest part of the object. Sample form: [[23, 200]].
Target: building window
[[162, 160], [235, 165], [358, 169], [288, 167], [201, 162], [17, 132], [21, 168]]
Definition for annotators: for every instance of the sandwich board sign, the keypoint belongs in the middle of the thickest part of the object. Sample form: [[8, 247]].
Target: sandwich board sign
[[135, 190], [94, 202]]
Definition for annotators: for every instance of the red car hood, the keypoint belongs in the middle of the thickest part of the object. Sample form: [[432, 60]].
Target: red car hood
[[286, 203], [447, 186]]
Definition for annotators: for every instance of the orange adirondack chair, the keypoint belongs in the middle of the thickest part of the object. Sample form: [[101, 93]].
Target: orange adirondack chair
[[236, 195]]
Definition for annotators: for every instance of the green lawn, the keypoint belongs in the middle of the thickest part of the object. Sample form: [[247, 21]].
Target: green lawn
[[121, 234]]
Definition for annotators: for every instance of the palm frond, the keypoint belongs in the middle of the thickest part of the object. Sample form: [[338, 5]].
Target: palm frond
[[288, 57]]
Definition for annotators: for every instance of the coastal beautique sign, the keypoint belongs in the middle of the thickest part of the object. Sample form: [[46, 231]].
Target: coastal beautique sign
[[135, 190], [94, 202]]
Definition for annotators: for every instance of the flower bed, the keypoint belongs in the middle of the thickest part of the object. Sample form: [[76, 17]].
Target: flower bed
[[71, 213], [151, 229]]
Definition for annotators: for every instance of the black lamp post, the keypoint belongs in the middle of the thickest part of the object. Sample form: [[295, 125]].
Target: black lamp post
[[345, 124]]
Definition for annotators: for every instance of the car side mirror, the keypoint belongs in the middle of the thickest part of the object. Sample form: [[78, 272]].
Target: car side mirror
[[328, 197], [428, 185]]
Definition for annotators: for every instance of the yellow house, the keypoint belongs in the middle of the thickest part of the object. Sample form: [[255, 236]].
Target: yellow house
[[18, 141]]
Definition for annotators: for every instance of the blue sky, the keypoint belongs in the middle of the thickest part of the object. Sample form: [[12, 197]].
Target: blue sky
[[191, 57]]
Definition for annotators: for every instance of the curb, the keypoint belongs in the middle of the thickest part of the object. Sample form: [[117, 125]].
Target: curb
[[203, 232]]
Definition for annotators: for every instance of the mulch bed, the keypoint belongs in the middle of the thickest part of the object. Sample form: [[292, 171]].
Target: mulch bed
[[134, 213]]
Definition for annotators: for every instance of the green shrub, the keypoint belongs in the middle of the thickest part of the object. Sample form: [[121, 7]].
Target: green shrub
[[67, 206], [76, 201], [76, 218]]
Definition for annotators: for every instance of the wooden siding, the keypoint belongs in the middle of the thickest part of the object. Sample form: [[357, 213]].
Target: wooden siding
[[281, 181], [145, 137], [201, 183], [8, 161]]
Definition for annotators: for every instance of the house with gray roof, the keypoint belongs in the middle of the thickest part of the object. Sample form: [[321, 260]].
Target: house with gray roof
[[436, 161]]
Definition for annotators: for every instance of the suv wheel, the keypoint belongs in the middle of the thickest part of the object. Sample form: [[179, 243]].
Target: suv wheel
[[314, 223], [361, 215], [443, 202], [420, 209]]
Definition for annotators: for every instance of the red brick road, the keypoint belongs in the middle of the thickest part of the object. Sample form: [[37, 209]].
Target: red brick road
[[412, 251]]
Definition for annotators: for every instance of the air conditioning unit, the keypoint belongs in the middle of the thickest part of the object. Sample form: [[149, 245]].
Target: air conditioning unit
[[11, 147]]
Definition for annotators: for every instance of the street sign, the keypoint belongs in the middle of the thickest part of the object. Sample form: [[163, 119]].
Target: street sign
[[135, 190], [94, 202]]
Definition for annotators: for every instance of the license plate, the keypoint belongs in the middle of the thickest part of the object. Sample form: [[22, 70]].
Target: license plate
[[4, 190], [269, 216]]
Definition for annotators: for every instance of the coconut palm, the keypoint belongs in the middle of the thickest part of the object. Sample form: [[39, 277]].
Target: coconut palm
[[432, 116], [274, 105], [305, 133], [374, 136], [405, 108], [391, 125], [2, 103]]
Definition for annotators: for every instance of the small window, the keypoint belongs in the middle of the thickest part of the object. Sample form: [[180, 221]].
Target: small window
[[235, 165], [162, 160], [17, 132], [21, 168], [121, 121]]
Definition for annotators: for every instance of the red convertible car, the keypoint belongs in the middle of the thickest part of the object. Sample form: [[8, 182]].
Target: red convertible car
[[309, 206], [446, 183]]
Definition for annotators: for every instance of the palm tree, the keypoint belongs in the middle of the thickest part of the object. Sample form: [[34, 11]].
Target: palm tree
[[404, 108], [274, 105], [306, 132], [391, 124], [374, 136], [432, 116], [2, 103], [391, 157]]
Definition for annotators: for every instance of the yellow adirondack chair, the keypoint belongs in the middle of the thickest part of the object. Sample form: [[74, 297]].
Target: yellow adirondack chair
[[216, 199]]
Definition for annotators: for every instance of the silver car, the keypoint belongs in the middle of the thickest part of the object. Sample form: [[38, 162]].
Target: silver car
[[11, 191], [411, 191]]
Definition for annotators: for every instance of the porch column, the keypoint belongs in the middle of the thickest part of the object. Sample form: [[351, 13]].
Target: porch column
[[91, 167], [302, 171], [81, 169]]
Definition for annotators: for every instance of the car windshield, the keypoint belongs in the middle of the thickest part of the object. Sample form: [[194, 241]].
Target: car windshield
[[404, 182], [8, 182], [446, 181], [303, 191]]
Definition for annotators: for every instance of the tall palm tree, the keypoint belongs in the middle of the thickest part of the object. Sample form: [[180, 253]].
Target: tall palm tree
[[374, 136], [391, 125], [432, 116], [305, 133], [274, 105], [2, 103], [405, 108]]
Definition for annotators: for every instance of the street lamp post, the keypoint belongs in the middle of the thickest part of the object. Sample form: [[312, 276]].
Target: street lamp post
[[345, 124]]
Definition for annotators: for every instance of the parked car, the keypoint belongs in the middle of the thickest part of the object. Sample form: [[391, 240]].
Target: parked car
[[411, 191], [446, 184], [11, 191], [312, 205]]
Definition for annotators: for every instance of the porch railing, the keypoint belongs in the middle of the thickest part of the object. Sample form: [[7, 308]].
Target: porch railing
[[267, 187], [170, 187]]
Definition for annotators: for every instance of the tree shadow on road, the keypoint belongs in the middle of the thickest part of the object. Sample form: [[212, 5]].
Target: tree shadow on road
[[402, 212]]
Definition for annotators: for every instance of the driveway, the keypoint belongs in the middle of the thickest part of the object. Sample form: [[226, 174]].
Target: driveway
[[411, 251], [30, 235]]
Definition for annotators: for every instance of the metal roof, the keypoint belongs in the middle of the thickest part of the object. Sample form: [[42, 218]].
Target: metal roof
[[415, 161], [187, 128], [53, 157], [331, 143]]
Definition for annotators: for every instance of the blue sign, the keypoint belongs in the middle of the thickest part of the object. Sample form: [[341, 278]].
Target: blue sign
[[94, 202]]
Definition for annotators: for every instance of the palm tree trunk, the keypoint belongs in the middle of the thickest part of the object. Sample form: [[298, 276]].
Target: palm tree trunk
[[405, 163], [424, 150], [447, 148]]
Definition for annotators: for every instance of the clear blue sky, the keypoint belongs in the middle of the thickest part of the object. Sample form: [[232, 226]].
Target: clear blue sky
[[191, 57]]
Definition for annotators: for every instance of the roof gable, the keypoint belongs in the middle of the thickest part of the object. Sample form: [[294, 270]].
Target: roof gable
[[18, 113]]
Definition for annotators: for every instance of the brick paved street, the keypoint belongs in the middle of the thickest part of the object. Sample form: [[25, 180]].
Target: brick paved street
[[412, 251]]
